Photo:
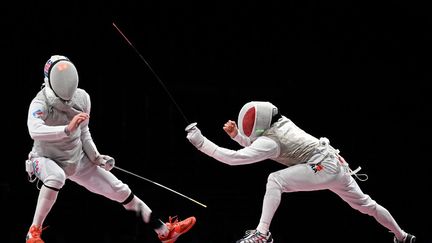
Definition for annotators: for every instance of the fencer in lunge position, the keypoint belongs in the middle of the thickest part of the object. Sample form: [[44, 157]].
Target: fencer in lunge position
[[63, 148], [312, 164]]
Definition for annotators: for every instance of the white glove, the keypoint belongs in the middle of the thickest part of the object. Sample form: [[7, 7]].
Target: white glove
[[106, 162], [199, 141], [194, 135]]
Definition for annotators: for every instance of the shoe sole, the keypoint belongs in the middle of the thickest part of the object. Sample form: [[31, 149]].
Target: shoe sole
[[190, 227], [413, 239], [266, 242]]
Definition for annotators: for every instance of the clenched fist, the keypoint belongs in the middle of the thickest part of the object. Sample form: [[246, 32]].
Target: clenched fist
[[230, 127]]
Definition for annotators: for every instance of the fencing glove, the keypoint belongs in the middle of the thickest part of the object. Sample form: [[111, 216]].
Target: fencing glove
[[106, 162], [196, 138]]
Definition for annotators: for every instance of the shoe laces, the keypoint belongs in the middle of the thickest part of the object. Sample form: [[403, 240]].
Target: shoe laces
[[249, 232], [254, 234], [173, 219]]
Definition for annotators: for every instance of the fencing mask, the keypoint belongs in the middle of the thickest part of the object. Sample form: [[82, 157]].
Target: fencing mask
[[255, 117], [61, 76]]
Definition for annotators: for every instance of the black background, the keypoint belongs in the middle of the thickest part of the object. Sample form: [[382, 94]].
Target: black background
[[355, 72]]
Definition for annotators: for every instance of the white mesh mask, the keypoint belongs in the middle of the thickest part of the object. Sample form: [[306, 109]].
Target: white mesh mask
[[255, 117], [61, 76]]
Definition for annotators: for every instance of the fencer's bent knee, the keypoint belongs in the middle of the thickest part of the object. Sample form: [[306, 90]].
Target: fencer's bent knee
[[273, 182], [119, 191], [56, 179]]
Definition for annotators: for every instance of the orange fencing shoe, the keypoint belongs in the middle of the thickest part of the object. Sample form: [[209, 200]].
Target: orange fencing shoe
[[177, 228], [34, 235]]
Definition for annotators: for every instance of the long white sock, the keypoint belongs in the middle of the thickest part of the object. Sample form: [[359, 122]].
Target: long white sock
[[139, 206], [386, 219], [47, 198], [271, 202]]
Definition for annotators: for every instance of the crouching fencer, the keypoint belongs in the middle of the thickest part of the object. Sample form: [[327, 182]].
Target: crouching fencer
[[63, 149], [311, 164]]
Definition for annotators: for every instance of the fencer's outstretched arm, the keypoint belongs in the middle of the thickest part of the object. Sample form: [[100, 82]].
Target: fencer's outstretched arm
[[199, 141], [263, 148]]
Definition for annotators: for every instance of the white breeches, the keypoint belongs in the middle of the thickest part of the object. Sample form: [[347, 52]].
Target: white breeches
[[330, 174], [88, 175]]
